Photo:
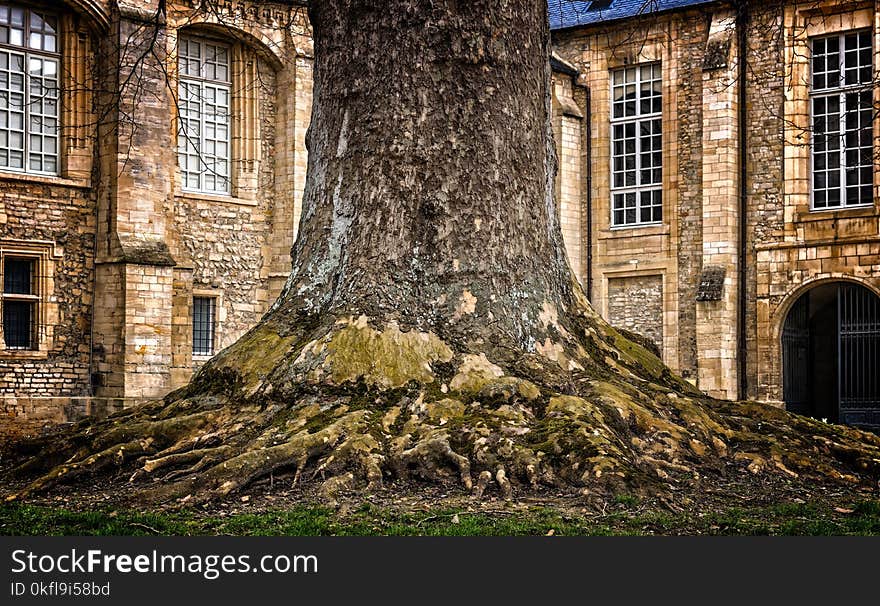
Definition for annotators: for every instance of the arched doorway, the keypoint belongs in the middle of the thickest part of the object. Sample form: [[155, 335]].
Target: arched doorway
[[831, 355]]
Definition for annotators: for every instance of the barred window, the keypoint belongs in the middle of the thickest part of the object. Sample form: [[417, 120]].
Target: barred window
[[842, 114], [636, 146], [29, 91], [20, 302], [204, 325], [203, 136]]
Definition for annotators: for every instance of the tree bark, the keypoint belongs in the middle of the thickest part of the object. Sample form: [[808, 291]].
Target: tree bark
[[431, 328], [431, 169]]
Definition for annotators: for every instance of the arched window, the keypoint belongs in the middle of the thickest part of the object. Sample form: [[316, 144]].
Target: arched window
[[29, 90], [205, 98]]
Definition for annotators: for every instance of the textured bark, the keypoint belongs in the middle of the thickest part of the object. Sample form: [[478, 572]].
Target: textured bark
[[431, 329], [431, 169]]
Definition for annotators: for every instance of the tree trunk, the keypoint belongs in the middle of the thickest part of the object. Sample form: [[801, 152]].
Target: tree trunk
[[431, 170], [431, 329]]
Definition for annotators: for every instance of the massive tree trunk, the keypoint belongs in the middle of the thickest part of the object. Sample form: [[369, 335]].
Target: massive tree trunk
[[431, 328]]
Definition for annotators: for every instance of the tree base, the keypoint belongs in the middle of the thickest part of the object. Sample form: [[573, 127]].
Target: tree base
[[359, 408]]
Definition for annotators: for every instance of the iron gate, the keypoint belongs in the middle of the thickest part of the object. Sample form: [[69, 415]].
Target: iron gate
[[858, 323], [796, 357]]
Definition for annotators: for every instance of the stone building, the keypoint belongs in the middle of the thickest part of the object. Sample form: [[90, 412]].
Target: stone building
[[152, 167], [732, 195]]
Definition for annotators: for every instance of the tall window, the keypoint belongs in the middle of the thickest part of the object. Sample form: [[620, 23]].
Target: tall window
[[20, 301], [842, 112], [29, 105], [203, 136], [204, 323], [636, 146]]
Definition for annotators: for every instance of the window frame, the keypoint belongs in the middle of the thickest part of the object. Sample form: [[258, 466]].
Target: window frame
[[27, 53], [35, 298], [203, 83], [637, 119], [212, 325], [840, 92]]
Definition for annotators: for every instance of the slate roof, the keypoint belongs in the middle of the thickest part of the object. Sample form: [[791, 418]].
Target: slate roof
[[572, 13]]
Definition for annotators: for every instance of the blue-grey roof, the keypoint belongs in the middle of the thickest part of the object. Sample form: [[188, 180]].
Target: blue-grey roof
[[571, 13]]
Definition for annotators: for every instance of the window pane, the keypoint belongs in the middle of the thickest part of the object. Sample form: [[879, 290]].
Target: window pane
[[18, 276], [18, 324]]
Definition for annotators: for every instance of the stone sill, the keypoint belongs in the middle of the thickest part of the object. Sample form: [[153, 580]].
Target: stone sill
[[197, 197], [11, 355], [817, 243], [830, 214], [634, 231], [44, 179]]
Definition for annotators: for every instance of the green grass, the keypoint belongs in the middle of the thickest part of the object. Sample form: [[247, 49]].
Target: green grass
[[785, 519]]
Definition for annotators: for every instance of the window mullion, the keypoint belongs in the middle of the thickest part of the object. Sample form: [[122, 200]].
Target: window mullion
[[842, 145], [639, 184], [26, 161], [203, 123], [841, 44]]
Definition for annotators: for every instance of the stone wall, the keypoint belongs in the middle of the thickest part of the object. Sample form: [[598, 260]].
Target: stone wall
[[636, 304], [671, 250], [691, 35], [794, 247], [63, 217], [765, 162], [27, 417], [114, 225], [570, 136], [789, 247]]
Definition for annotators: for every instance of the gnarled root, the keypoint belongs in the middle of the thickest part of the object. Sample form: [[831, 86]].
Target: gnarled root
[[475, 427]]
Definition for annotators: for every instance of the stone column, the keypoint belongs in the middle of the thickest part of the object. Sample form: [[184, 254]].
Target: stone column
[[717, 293], [133, 312], [568, 126]]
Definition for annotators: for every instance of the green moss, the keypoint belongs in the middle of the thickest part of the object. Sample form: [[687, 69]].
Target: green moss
[[386, 359], [638, 354], [246, 364], [444, 410]]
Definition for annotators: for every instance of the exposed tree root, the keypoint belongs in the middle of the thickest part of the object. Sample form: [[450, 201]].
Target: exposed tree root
[[461, 420]]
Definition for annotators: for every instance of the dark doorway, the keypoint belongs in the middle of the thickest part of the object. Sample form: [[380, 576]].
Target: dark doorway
[[831, 355]]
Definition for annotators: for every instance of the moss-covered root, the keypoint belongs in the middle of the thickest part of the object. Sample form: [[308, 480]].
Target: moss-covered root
[[609, 439], [359, 407]]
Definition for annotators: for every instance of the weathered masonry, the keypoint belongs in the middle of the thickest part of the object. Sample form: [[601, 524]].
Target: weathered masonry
[[732, 153], [717, 190], [151, 168]]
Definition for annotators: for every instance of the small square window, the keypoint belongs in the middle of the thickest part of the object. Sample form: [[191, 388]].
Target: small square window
[[204, 325], [20, 303]]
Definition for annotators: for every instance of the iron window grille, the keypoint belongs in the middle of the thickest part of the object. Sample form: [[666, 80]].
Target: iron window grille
[[29, 90], [203, 141], [842, 111], [636, 146], [204, 325], [21, 300]]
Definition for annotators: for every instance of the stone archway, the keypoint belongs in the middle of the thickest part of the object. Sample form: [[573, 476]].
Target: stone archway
[[831, 354]]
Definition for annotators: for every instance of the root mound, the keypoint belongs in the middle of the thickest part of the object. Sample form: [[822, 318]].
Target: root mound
[[359, 407]]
